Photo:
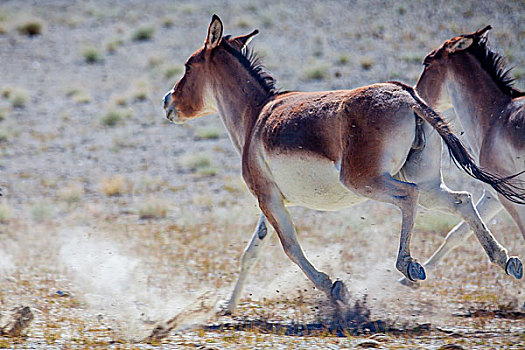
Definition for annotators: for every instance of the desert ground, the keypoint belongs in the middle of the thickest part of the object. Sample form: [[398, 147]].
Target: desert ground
[[113, 219]]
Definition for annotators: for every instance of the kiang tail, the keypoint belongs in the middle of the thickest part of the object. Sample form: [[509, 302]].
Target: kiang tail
[[511, 187]]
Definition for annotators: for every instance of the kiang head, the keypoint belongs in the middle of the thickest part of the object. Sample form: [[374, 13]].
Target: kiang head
[[193, 95], [431, 83]]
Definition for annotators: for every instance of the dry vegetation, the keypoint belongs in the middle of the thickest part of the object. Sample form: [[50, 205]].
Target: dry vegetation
[[112, 219]]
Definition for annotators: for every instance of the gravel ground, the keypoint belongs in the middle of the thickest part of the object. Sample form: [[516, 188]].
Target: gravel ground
[[113, 219]]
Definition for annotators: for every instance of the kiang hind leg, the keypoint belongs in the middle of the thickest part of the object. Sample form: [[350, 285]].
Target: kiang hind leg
[[248, 260], [488, 206], [404, 195], [424, 168]]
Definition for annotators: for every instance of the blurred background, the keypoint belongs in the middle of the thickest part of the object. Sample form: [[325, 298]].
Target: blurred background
[[95, 179]]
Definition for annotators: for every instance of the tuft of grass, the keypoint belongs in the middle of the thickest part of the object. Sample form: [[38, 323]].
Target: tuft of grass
[[112, 46], [5, 212], [242, 23], [4, 136], [171, 71], [18, 98], [31, 27], [207, 133], [342, 60], [79, 96], [316, 73], [41, 211], [366, 63], [195, 161], [167, 22], [92, 55], [143, 34], [140, 90], [3, 113], [115, 116], [71, 194], [115, 185], [153, 208]]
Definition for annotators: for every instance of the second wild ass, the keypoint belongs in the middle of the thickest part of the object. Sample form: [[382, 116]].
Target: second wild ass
[[465, 74], [326, 150]]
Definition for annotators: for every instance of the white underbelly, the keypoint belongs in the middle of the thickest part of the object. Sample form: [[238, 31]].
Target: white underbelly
[[311, 182]]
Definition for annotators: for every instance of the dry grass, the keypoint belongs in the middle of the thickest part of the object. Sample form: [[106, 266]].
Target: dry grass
[[30, 27], [153, 208], [5, 211], [143, 33], [71, 194], [92, 55], [115, 116], [115, 185], [17, 96]]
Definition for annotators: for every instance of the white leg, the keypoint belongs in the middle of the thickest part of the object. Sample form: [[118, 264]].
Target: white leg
[[248, 260], [488, 206], [460, 204]]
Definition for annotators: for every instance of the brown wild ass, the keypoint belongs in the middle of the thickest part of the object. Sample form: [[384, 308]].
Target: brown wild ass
[[325, 150], [465, 74]]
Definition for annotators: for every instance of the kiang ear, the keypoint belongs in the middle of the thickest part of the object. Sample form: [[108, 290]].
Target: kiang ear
[[461, 44], [245, 39], [214, 33], [482, 33]]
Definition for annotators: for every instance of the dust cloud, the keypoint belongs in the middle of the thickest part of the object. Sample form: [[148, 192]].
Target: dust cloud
[[115, 285]]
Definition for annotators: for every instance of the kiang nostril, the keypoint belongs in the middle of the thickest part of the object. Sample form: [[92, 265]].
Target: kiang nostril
[[167, 99]]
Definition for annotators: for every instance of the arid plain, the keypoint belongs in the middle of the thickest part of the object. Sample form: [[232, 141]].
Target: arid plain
[[113, 219]]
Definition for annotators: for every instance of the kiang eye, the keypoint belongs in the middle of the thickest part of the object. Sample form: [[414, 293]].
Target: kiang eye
[[187, 67]]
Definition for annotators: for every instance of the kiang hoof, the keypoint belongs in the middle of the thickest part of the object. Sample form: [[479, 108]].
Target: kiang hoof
[[514, 268], [339, 292], [416, 272], [408, 283]]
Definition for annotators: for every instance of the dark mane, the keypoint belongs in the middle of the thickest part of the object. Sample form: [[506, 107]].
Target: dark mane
[[249, 59], [494, 64]]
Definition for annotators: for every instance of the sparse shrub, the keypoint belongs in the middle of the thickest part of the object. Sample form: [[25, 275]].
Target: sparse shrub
[[140, 90], [200, 164], [267, 21], [170, 72], [78, 95], [72, 193], [316, 73], [41, 211], [119, 100], [30, 27], [114, 117], [167, 22], [3, 136], [242, 23], [343, 59], [194, 161], [153, 208], [5, 212], [143, 33], [366, 63], [82, 97], [207, 133], [91, 55], [3, 113], [17, 97], [115, 185], [112, 46]]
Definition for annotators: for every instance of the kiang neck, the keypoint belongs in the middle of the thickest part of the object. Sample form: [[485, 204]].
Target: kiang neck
[[240, 98], [477, 100]]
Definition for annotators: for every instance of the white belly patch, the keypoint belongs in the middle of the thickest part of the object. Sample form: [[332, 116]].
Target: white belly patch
[[311, 182]]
